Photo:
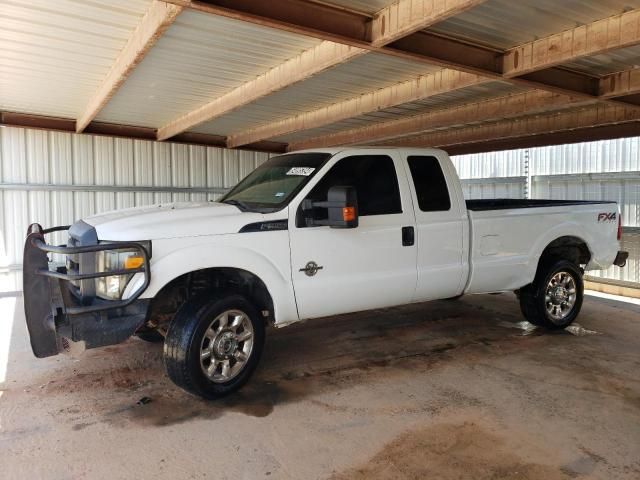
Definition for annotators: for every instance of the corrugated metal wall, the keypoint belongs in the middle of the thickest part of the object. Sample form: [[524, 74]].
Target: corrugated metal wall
[[603, 170], [56, 178], [510, 187], [490, 165]]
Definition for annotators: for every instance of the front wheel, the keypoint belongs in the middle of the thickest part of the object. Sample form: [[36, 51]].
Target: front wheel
[[213, 345], [554, 299]]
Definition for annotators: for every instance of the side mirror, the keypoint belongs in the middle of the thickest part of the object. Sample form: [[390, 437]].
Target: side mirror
[[341, 205]]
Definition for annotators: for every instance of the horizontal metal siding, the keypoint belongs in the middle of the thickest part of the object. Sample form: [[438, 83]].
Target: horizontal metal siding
[[489, 189], [490, 165], [35, 157], [622, 155], [618, 188]]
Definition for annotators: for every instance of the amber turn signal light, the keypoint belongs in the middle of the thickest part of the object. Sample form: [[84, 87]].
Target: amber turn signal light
[[134, 261], [348, 214]]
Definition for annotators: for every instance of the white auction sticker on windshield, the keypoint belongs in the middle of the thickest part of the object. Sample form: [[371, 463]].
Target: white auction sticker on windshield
[[302, 171]]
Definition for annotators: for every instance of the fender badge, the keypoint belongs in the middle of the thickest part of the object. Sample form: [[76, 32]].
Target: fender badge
[[311, 269]]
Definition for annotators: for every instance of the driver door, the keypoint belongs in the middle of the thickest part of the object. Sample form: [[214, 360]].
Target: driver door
[[352, 269]]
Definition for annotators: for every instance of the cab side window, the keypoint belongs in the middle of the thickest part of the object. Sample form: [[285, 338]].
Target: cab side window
[[374, 178], [431, 186]]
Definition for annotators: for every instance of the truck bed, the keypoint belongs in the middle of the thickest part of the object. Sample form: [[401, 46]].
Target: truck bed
[[508, 237], [509, 203]]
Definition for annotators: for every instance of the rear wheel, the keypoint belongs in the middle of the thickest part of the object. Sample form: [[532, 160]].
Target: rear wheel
[[554, 299], [213, 346]]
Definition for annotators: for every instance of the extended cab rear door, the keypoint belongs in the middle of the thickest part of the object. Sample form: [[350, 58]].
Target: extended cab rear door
[[360, 268], [442, 226]]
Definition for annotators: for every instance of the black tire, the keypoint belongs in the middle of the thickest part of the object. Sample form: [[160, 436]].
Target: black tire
[[532, 297], [185, 339], [151, 336]]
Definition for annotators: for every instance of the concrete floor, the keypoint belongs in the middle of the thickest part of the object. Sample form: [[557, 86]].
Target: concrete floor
[[445, 390]]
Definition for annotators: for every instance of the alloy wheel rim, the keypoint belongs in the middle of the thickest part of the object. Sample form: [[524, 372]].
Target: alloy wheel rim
[[226, 346], [560, 296]]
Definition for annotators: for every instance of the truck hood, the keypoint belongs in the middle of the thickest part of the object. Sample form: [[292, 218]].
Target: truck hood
[[171, 220]]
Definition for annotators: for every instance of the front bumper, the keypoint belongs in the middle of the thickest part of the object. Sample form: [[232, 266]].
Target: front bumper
[[621, 259], [56, 311]]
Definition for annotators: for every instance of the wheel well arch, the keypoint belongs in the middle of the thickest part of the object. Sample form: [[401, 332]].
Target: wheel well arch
[[217, 280], [568, 247]]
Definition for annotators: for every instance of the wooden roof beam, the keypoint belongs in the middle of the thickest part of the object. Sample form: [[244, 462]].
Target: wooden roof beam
[[155, 21], [331, 23], [600, 37], [620, 85], [356, 30], [317, 20], [334, 23], [420, 88], [575, 118], [535, 64], [404, 17], [576, 135], [401, 18], [311, 62], [511, 106], [454, 54]]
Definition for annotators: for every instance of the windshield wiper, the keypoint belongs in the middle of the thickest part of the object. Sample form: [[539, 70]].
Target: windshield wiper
[[238, 203]]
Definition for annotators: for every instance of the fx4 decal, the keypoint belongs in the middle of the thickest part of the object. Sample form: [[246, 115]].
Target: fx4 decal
[[607, 217]]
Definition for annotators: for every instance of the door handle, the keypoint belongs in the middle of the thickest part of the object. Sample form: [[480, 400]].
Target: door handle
[[408, 236]]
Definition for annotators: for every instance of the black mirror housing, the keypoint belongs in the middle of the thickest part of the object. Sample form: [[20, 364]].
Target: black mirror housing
[[341, 205]]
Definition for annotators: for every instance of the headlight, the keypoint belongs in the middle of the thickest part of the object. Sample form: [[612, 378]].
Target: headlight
[[112, 287]]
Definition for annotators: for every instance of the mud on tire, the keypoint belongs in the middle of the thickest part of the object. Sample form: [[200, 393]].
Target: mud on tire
[[207, 350], [554, 299]]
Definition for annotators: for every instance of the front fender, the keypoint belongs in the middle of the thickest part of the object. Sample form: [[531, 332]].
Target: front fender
[[271, 265]]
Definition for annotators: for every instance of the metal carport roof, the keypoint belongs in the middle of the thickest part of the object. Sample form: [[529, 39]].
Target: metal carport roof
[[273, 75]]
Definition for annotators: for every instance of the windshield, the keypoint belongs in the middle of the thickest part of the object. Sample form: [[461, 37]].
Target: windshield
[[274, 183]]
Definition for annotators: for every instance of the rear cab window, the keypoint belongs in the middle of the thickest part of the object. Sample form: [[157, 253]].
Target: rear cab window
[[430, 184]]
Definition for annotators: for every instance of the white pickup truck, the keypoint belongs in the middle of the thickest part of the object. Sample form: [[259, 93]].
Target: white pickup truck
[[307, 234]]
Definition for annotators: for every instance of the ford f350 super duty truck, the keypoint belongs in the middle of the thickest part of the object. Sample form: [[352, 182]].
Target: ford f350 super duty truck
[[307, 234]]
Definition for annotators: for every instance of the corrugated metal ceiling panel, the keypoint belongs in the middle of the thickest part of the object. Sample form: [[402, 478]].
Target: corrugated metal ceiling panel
[[507, 23], [612, 62], [199, 58], [364, 74], [54, 55], [447, 100]]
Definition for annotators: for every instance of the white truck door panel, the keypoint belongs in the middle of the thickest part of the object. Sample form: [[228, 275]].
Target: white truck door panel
[[361, 268], [442, 228]]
